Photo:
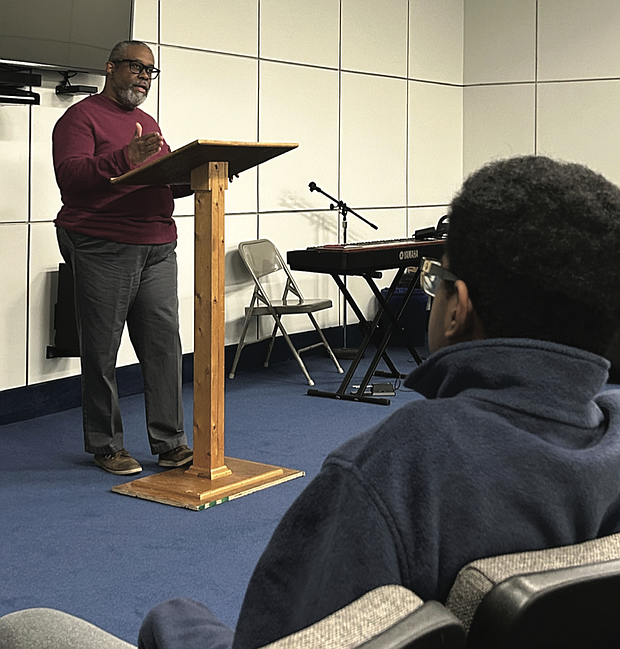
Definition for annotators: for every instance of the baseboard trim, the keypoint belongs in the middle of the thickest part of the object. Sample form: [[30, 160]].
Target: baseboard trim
[[39, 399]]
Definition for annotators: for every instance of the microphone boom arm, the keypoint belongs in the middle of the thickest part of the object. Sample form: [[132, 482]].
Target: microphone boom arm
[[343, 207]]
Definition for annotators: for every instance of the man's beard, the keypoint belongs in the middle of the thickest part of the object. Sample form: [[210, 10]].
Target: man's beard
[[129, 98]]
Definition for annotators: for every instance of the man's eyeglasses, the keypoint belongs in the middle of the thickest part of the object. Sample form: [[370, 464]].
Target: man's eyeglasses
[[137, 68], [432, 274]]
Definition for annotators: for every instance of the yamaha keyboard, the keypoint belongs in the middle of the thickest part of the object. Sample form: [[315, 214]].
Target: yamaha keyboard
[[364, 257]]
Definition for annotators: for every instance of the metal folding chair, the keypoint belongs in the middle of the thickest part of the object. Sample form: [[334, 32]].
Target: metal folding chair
[[262, 258]]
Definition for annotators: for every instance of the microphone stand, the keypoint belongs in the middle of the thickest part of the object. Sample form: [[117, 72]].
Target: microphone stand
[[343, 210]]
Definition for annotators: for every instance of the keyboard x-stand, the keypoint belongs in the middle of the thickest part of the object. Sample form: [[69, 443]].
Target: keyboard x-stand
[[366, 260]]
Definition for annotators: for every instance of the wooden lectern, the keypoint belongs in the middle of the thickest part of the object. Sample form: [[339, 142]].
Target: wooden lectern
[[212, 478]]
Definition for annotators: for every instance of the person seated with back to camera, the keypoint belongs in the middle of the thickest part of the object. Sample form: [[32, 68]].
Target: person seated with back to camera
[[516, 445], [513, 448]]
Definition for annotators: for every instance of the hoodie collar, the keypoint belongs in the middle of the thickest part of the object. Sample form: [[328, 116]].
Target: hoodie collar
[[542, 378]]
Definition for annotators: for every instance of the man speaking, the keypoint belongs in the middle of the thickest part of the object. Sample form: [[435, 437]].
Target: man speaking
[[120, 243]]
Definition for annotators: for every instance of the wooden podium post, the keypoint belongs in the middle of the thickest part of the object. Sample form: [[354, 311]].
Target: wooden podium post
[[212, 478]]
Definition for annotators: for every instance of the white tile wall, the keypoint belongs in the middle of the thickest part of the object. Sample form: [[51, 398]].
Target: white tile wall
[[210, 97], [436, 40], [579, 122], [374, 36], [500, 41], [391, 102], [208, 25], [13, 323], [435, 143], [578, 39], [185, 262], [145, 20], [299, 32], [373, 163], [498, 121], [14, 140], [298, 104]]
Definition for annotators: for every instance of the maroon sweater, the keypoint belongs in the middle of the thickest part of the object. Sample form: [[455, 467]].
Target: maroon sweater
[[90, 144]]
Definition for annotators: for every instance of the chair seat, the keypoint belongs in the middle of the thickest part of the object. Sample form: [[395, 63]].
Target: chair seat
[[291, 306]]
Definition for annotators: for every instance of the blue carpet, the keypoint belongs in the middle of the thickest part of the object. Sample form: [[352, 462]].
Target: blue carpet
[[68, 542]]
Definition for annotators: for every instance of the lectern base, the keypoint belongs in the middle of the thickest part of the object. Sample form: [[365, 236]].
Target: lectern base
[[178, 487]]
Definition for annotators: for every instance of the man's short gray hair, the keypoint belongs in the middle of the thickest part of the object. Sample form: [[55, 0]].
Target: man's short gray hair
[[118, 51]]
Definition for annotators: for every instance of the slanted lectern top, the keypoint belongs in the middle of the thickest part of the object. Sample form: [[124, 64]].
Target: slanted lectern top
[[213, 478]]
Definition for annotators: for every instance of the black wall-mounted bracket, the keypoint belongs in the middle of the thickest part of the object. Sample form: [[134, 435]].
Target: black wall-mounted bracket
[[65, 88]]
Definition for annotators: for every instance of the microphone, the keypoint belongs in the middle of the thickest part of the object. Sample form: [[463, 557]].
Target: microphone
[[312, 187]]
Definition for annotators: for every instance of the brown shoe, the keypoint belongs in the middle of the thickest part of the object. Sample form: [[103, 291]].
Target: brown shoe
[[120, 463], [176, 457]]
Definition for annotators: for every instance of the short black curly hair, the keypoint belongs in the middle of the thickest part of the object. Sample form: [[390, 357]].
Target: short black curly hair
[[537, 241]]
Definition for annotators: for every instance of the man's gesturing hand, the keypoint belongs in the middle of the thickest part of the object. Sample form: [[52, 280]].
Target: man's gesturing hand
[[143, 147]]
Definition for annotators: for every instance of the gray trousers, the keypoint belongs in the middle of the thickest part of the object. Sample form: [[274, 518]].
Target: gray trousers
[[117, 283]]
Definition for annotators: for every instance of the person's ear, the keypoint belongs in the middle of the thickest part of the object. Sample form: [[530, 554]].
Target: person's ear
[[464, 323]]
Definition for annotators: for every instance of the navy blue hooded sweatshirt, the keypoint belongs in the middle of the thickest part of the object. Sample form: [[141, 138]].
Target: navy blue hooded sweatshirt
[[514, 448]]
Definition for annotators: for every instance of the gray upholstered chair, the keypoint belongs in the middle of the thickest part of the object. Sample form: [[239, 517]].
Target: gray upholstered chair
[[390, 617], [263, 260], [47, 628], [565, 597]]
